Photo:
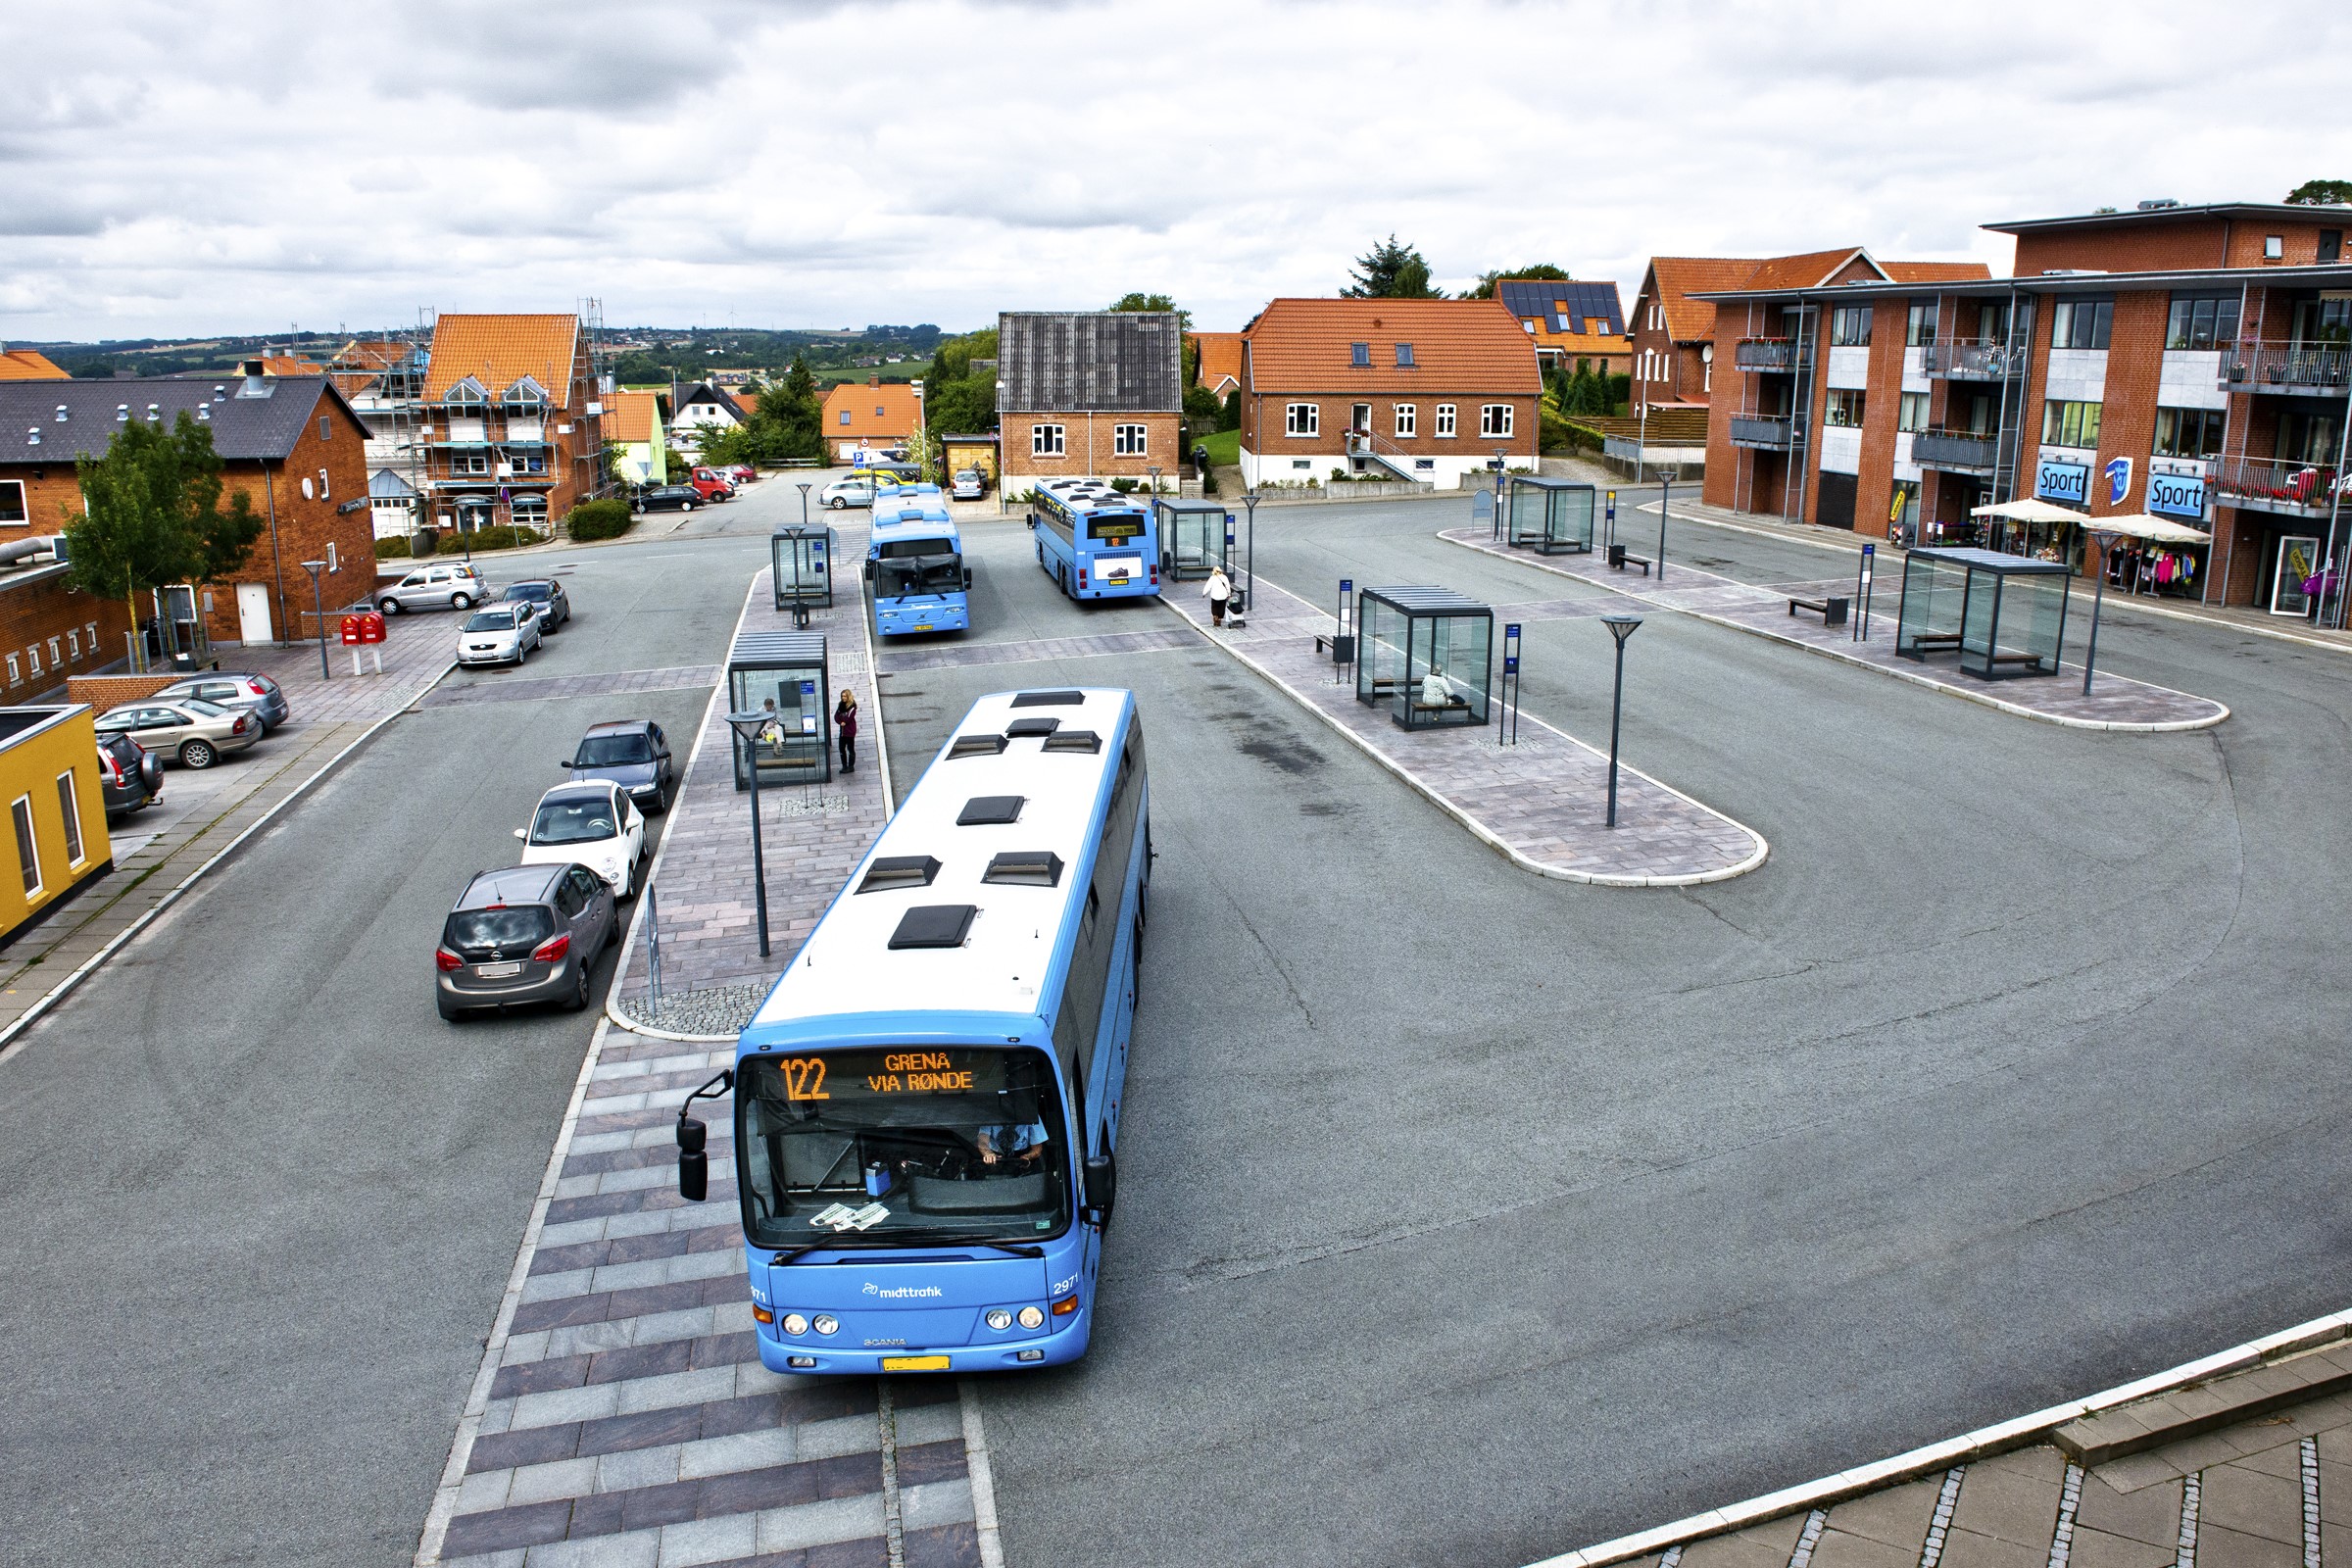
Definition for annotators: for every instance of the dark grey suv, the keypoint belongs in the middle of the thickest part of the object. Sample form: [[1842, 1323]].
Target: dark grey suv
[[133, 775], [633, 754], [526, 934]]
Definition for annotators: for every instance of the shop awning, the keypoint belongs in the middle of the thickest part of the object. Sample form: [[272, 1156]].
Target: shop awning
[[2154, 531], [2028, 510]]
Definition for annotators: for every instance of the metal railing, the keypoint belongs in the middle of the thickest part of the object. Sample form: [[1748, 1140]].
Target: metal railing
[[2268, 484], [1972, 358], [2251, 367], [1766, 353], [1766, 434], [1971, 451]]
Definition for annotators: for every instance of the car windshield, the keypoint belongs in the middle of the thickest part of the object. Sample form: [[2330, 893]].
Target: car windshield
[[918, 567], [471, 931], [492, 620], [573, 821], [530, 590], [963, 1141], [201, 708], [612, 750]]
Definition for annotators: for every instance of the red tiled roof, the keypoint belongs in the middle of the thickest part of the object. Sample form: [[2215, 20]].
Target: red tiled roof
[[1678, 276], [1937, 272], [1220, 360], [890, 409], [1810, 269], [1470, 346], [23, 365], [499, 351], [1689, 320], [631, 415]]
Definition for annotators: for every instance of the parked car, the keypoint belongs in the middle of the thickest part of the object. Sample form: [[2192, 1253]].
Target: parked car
[[130, 776], [547, 600], [592, 823], [741, 473], [668, 498], [443, 585], [633, 754], [190, 731], [850, 492], [526, 934], [712, 485], [240, 691], [970, 485], [499, 634]]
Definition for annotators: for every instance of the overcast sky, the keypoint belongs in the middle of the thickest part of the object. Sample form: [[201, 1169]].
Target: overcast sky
[[243, 167]]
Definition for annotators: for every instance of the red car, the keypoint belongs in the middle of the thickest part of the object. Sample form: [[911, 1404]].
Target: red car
[[712, 485], [742, 474]]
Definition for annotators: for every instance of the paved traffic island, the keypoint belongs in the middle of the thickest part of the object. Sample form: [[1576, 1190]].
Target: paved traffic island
[[1543, 801], [1765, 609]]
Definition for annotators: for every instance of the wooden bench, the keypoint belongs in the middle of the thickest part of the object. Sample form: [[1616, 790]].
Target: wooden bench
[[1831, 608], [1621, 558]]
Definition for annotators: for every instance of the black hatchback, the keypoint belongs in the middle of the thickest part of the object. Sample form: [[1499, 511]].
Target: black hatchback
[[546, 597], [524, 935], [669, 498], [633, 754]]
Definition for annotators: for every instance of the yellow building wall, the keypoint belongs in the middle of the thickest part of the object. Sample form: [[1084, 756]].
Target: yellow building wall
[[981, 455], [30, 764]]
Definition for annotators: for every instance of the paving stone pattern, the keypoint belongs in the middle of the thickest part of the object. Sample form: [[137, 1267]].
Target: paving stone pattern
[[2115, 701], [630, 1421], [1544, 799], [532, 689], [957, 655]]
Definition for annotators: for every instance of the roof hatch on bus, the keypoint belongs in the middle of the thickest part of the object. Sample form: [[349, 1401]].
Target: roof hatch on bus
[[1026, 869], [890, 872], [1049, 700], [1039, 725], [1073, 740], [991, 811], [934, 925], [976, 746]]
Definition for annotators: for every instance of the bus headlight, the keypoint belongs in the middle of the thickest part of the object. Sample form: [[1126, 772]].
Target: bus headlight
[[999, 1320], [827, 1323], [1033, 1317], [794, 1323]]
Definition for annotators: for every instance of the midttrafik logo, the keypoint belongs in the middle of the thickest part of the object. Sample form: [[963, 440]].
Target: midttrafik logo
[[902, 1293]]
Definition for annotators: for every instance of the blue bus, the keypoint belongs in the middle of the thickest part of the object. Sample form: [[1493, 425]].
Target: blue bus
[[926, 1106], [1094, 542], [915, 564]]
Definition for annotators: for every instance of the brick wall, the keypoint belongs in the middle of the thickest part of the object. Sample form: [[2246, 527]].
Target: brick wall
[[1873, 486], [2149, 247], [50, 633], [1086, 443], [2128, 417], [103, 692], [297, 527]]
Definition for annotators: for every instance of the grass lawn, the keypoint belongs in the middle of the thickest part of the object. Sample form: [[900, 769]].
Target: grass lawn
[[1224, 447]]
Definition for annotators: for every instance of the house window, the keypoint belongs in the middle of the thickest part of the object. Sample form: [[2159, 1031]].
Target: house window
[[877, 411], [2188, 433], [1444, 429], [2070, 425], [12, 501], [1045, 441], [1127, 440], [1408, 418], [323, 493], [1912, 413], [29, 853], [1404, 355], [1850, 326], [92, 629], [845, 416], [1359, 353], [470, 463], [1302, 418], [2274, 247], [1494, 419], [2082, 323], [1920, 327], [16, 671], [332, 564], [1657, 318], [57, 653], [32, 656], [73, 810], [1844, 408], [326, 427], [2201, 322], [73, 644]]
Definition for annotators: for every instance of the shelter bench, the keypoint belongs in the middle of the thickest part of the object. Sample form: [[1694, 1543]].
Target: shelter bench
[[1621, 558], [1831, 610], [1934, 640]]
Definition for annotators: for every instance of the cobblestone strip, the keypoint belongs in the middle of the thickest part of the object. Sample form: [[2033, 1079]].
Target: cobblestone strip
[[2070, 1499], [2192, 1487], [1940, 1528], [2308, 1453], [1801, 1555], [1542, 803], [2117, 702]]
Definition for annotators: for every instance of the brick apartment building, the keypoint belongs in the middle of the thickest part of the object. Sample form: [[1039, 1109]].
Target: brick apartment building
[[1570, 324], [511, 421], [1417, 389], [1088, 392], [871, 415], [293, 444], [2190, 363]]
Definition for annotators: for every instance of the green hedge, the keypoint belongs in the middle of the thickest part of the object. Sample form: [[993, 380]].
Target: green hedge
[[392, 548], [599, 520]]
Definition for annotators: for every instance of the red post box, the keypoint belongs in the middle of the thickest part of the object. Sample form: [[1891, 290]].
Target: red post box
[[352, 633], [371, 627]]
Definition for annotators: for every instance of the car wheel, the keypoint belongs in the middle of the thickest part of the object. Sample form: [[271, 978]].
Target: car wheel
[[685, 506], [460, 602], [839, 503], [388, 605], [197, 755], [577, 1001]]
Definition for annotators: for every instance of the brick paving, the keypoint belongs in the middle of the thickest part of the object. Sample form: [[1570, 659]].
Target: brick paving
[[959, 656], [1543, 801], [2116, 702], [533, 689], [628, 1419]]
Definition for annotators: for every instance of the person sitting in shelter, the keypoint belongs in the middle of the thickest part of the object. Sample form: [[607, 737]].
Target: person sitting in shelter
[[1435, 690]]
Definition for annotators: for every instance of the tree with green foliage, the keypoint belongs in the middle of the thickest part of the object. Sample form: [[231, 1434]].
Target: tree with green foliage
[[1153, 302], [1230, 418], [957, 398], [1390, 272], [784, 422], [1486, 289], [2320, 193], [152, 514]]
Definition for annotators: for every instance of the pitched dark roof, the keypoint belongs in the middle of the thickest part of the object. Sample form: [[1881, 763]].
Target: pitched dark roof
[[1534, 299], [243, 428], [709, 392], [1081, 361]]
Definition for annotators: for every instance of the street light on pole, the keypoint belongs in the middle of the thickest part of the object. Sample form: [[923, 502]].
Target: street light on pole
[[1153, 471], [804, 502], [319, 598], [1620, 627], [746, 728], [2105, 539], [1250, 500]]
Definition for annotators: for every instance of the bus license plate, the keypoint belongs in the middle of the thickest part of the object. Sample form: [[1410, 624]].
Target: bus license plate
[[498, 972], [923, 627], [915, 1363]]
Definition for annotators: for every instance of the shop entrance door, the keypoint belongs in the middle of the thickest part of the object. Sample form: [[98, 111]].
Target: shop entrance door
[[2298, 559], [253, 613]]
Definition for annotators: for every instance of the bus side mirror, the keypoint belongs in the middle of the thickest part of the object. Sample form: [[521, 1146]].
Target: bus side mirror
[[694, 1165], [1101, 1186], [967, 579], [869, 571], [1033, 521]]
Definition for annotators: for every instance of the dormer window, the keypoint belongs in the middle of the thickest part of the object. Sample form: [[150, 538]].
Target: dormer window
[[1404, 355], [526, 394], [1360, 355], [154, 412], [61, 413], [121, 413], [467, 394]]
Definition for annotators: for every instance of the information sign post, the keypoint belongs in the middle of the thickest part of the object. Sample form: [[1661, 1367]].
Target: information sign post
[[1862, 593], [1507, 733]]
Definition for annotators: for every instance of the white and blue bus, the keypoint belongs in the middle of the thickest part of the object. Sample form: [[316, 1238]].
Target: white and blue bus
[[915, 564], [1094, 542], [927, 1103]]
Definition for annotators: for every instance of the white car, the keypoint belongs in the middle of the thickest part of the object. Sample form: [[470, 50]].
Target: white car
[[500, 634], [847, 493], [458, 584], [970, 485], [593, 824]]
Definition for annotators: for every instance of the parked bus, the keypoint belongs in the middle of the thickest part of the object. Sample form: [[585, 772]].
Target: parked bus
[[1094, 542], [915, 564], [926, 1104]]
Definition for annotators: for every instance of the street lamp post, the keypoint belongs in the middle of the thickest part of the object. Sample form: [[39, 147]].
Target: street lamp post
[[2105, 539], [1250, 500], [804, 502], [1665, 495], [747, 728], [1153, 471], [1620, 627], [319, 600]]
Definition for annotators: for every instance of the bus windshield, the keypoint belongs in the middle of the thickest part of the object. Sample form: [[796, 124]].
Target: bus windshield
[[896, 1145], [909, 566]]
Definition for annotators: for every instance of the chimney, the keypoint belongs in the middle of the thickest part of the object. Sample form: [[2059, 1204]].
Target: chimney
[[874, 379], [257, 386]]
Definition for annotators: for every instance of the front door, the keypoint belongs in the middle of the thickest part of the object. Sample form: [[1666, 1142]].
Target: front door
[[2298, 559], [253, 613]]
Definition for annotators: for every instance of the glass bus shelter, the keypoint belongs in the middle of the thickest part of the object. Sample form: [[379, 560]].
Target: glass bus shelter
[[1191, 537], [1424, 652], [2004, 614], [1552, 516], [803, 566], [782, 674]]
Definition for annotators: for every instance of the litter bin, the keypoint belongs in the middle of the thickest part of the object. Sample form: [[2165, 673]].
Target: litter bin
[[1834, 615], [1617, 556]]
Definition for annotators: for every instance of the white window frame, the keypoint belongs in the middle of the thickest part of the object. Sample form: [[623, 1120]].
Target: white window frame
[[69, 800], [92, 628], [73, 643], [1445, 423], [1048, 440], [24, 518], [1303, 421], [332, 564], [1494, 421], [1129, 440], [32, 656], [57, 653], [324, 494], [16, 671], [28, 847], [1408, 420]]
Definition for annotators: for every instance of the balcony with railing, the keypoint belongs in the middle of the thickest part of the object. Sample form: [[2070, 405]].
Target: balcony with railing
[[1766, 353], [1764, 435], [2268, 484], [1955, 451], [1972, 360], [2320, 369]]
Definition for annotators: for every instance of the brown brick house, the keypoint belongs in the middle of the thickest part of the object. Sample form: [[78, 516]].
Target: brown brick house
[[514, 425], [293, 444], [1569, 322], [1088, 392], [1422, 389], [871, 415]]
